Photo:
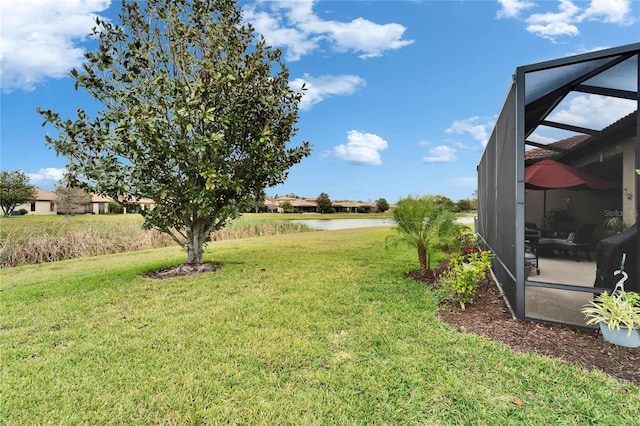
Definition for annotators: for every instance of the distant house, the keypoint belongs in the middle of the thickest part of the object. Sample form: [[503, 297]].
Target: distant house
[[146, 203], [353, 207], [271, 206], [310, 205], [45, 203], [99, 204]]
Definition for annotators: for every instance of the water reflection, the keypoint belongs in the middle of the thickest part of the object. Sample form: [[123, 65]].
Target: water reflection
[[333, 224]]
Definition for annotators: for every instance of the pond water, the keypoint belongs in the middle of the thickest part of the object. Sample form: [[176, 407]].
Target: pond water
[[333, 224]]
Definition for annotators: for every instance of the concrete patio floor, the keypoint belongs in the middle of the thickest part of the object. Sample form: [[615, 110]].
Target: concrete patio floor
[[560, 270], [555, 305]]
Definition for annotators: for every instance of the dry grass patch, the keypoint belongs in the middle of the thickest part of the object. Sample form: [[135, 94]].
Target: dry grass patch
[[41, 239]]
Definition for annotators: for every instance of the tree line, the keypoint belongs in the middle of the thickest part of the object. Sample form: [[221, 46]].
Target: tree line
[[16, 190]]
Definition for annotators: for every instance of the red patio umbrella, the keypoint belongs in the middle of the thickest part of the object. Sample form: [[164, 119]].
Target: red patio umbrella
[[550, 174]]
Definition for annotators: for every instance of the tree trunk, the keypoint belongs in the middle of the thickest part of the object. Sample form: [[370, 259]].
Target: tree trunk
[[195, 243], [422, 258]]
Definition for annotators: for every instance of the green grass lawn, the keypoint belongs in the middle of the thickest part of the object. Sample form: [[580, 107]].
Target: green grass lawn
[[315, 328]]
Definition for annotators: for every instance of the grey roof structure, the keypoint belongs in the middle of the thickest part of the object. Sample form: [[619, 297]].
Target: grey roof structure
[[550, 86]]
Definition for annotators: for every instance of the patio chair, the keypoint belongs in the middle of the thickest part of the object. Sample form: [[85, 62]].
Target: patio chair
[[575, 242], [531, 237]]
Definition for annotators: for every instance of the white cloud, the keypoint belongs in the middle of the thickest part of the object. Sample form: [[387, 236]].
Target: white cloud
[[361, 148], [565, 21], [610, 11], [440, 154], [369, 38], [552, 24], [40, 39], [294, 41], [541, 139], [460, 145], [295, 28], [476, 126], [320, 88], [46, 177], [552, 30], [512, 8], [592, 111]]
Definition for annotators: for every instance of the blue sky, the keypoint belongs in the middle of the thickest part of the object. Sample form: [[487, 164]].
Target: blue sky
[[402, 95]]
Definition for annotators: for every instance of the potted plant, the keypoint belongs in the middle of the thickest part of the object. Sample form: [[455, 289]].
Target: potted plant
[[618, 316]]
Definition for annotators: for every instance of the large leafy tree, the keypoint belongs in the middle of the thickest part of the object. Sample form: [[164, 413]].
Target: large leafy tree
[[194, 116], [424, 223], [71, 199], [324, 203], [15, 190], [382, 205]]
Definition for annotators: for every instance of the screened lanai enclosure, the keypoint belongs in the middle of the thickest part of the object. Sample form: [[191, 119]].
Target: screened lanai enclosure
[[557, 184]]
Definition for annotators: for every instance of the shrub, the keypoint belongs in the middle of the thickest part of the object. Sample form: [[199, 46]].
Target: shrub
[[464, 273], [468, 244], [23, 212], [115, 207]]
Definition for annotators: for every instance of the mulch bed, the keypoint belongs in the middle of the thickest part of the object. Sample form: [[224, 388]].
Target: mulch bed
[[489, 316], [182, 270]]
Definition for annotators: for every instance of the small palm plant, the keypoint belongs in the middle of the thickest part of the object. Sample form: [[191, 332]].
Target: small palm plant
[[426, 224]]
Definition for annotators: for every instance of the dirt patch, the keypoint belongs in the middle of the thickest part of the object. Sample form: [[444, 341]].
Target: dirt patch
[[182, 270], [489, 316]]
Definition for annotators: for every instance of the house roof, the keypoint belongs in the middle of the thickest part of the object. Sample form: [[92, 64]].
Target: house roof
[[557, 148], [352, 204], [621, 129], [100, 198], [43, 195], [303, 203], [569, 146]]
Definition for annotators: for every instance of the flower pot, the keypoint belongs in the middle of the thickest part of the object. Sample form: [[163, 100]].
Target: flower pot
[[621, 337]]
